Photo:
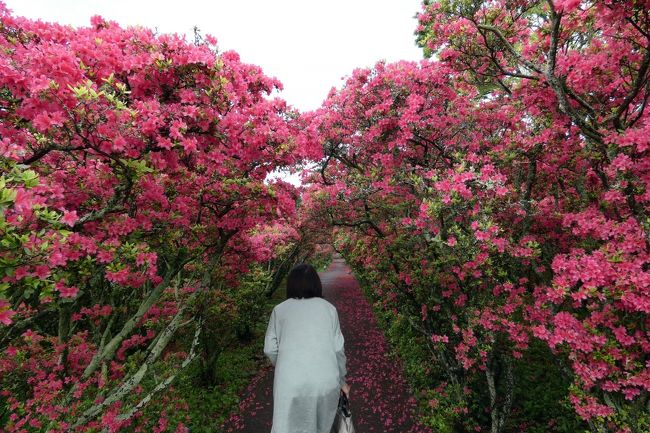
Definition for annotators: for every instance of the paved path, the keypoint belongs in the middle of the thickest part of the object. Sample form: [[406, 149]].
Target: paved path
[[379, 396]]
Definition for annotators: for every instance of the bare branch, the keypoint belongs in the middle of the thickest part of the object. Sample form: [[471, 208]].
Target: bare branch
[[135, 379], [640, 80], [530, 65], [111, 347], [165, 383]]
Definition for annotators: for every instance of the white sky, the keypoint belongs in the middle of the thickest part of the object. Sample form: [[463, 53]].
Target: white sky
[[309, 45]]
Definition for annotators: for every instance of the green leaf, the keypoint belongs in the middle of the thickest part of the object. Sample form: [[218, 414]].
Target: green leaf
[[110, 79], [30, 178], [7, 195]]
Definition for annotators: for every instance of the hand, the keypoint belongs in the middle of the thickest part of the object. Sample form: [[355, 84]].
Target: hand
[[346, 389]]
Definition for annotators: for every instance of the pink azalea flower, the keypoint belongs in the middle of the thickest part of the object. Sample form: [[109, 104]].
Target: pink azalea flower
[[69, 217]]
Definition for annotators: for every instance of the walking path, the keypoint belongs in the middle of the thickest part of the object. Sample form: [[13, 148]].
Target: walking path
[[379, 396]]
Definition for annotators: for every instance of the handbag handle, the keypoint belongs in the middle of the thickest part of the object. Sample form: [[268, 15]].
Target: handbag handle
[[344, 405]]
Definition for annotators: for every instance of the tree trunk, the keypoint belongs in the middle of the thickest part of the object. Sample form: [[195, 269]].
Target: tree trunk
[[500, 390]]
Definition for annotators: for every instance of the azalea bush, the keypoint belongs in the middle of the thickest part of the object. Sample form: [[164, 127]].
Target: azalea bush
[[498, 196], [133, 205], [492, 200]]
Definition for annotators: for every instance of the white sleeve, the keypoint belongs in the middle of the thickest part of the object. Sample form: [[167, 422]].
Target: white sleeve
[[339, 342], [271, 344]]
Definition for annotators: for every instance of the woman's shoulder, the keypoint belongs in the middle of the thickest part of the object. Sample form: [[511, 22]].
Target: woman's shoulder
[[327, 304], [316, 300], [325, 301]]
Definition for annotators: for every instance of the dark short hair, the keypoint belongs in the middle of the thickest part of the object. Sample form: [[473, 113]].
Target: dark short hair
[[303, 282]]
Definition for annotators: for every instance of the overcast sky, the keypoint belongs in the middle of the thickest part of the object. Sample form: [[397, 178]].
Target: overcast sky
[[309, 45]]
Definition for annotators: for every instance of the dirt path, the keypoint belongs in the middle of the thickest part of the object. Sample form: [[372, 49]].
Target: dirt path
[[379, 396]]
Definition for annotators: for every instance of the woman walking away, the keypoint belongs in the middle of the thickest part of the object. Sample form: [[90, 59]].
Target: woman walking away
[[305, 344]]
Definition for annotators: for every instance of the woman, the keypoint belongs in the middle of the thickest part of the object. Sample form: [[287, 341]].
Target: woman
[[304, 343]]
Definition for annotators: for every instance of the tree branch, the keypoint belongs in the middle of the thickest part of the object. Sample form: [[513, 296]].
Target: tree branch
[[530, 65], [108, 351], [135, 379], [640, 80], [165, 383]]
